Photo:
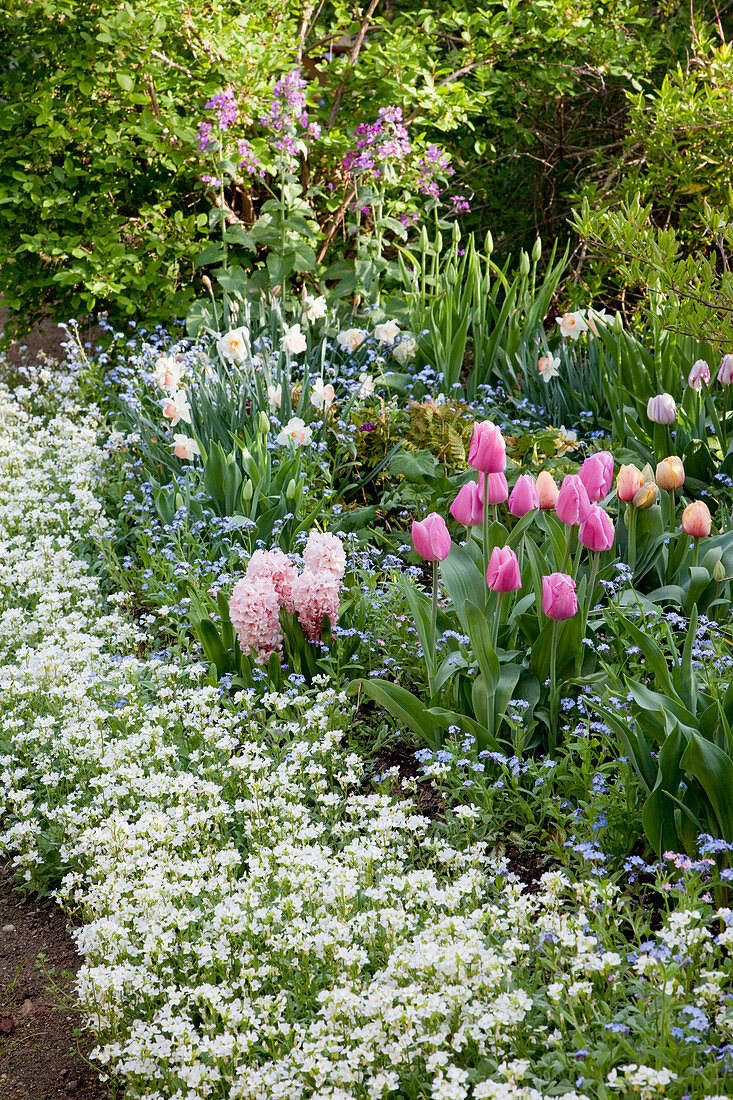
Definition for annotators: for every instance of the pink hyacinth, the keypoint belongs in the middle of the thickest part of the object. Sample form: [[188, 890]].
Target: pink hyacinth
[[315, 595], [276, 567], [254, 608], [324, 553]]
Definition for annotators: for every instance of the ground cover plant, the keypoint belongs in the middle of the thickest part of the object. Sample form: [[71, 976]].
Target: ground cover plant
[[365, 626]]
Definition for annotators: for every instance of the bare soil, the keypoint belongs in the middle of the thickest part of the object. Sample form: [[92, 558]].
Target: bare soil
[[43, 1050]]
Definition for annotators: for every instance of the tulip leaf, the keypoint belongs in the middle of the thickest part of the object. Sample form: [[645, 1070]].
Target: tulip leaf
[[713, 769], [658, 815], [464, 582], [405, 707]]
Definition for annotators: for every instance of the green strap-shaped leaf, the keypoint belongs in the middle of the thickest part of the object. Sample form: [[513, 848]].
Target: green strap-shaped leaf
[[713, 769], [405, 707]]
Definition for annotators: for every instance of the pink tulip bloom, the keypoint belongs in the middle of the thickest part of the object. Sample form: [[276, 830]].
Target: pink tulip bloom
[[558, 596], [492, 488], [467, 508], [430, 538], [700, 373], [503, 573], [596, 530], [596, 473], [487, 452], [628, 482], [547, 490], [573, 504], [725, 374], [524, 497], [662, 409]]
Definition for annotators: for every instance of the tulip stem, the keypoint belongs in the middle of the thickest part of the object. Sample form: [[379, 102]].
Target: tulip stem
[[695, 551], [497, 619], [631, 512], [566, 556], [430, 658], [554, 693], [485, 529], [596, 557]]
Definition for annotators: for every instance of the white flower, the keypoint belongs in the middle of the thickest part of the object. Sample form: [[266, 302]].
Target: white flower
[[367, 384], [573, 325], [565, 435], [176, 408], [387, 332], [274, 397], [233, 345], [598, 315], [168, 372], [405, 349], [296, 430], [548, 366], [351, 338], [315, 307], [184, 446], [293, 341], [322, 397]]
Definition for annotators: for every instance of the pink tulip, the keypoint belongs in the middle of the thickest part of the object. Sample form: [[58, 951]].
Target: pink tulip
[[596, 473], [487, 452], [572, 502], [492, 488], [503, 573], [725, 374], [662, 409], [558, 596], [430, 538], [700, 373], [628, 482], [467, 508], [524, 496], [596, 530], [547, 490]]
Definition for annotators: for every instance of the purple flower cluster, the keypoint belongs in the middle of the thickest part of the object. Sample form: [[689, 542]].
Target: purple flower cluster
[[434, 161], [250, 162], [287, 113], [226, 108], [378, 143]]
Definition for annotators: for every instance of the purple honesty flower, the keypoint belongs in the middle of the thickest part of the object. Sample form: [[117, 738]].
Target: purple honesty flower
[[378, 142], [226, 107], [460, 203], [250, 161]]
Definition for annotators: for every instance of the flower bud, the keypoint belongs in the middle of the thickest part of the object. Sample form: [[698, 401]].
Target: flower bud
[[467, 508], [596, 530], [647, 473], [700, 373], [661, 409], [264, 423], [646, 496], [430, 538], [503, 573], [670, 473], [547, 490], [492, 488], [719, 571], [248, 491], [524, 497], [487, 451], [207, 282], [559, 600], [629, 480], [537, 251], [725, 374], [523, 263], [696, 519]]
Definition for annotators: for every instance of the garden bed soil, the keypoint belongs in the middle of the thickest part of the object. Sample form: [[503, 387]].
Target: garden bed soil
[[42, 1056]]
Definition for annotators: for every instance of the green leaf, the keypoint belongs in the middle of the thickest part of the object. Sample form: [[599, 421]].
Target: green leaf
[[713, 769], [405, 707], [464, 582]]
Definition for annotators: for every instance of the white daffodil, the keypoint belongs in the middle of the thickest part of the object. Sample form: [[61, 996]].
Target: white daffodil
[[295, 431], [293, 340], [233, 345]]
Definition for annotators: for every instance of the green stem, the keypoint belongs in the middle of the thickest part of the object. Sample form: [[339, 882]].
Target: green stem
[[497, 619], [572, 531], [430, 658], [631, 513], [695, 551], [485, 531], [588, 604], [554, 692]]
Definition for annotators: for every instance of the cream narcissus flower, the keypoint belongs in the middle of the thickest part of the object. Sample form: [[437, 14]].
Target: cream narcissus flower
[[295, 431], [322, 396], [314, 308], [293, 340], [548, 366], [367, 384], [233, 345], [274, 397], [387, 332], [405, 349], [573, 324], [168, 372], [184, 446], [175, 408], [351, 338]]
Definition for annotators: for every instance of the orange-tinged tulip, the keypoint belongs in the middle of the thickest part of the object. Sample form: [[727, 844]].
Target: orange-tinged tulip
[[645, 496], [547, 490], [629, 480], [696, 520], [670, 473]]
